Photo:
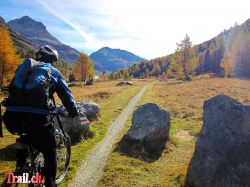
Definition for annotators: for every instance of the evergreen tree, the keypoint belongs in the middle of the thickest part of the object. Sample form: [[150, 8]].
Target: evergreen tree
[[71, 77], [126, 74], [112, 76]]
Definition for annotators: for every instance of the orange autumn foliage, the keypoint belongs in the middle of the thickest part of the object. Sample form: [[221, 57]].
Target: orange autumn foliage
[[8, 58]]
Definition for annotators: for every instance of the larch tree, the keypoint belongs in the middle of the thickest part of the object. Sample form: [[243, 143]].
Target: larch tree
[[90, 70], [83, 68], [174, 69], [8, 58], [185, 49], [226, 66]]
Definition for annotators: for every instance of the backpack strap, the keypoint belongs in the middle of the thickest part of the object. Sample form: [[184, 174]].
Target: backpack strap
[[25, 82]]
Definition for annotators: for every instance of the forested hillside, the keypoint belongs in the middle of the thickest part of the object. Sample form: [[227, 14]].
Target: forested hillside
[[226, 55]]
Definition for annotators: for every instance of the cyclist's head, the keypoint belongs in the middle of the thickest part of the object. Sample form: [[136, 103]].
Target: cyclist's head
[[47, 54]]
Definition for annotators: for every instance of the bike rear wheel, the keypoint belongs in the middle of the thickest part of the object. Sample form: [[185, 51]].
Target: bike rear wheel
[[63, 151]]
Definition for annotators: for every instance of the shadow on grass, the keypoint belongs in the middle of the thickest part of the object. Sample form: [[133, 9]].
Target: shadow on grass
[[8, 153], [141, 150]]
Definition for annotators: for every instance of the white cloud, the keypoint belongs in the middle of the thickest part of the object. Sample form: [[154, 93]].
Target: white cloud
[[148, 28]]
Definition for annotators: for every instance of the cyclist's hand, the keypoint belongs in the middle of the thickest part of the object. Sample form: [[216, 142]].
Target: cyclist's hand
[[81, 119]]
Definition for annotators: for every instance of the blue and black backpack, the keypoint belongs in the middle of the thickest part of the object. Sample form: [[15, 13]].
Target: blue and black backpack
[[30, 85]]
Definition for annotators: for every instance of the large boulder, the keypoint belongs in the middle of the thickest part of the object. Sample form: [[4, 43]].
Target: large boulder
[[148, 133], [90, 82], [90, 109], [222, 151], [76, 131]]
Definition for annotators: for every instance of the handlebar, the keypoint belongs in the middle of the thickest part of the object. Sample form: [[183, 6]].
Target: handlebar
[[59, 111]]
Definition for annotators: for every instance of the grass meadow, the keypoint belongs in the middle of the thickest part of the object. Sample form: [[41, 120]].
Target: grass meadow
[[184, 101]]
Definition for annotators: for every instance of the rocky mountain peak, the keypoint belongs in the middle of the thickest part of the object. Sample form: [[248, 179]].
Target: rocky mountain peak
[[38, 35], [30, 28], [2, 22], [26, 21]]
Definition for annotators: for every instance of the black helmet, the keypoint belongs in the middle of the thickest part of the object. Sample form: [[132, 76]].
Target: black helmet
[[47, 54]]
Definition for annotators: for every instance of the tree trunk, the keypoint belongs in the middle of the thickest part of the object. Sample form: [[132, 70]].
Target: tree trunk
[[82, 72], [2, 74], [185, 63]]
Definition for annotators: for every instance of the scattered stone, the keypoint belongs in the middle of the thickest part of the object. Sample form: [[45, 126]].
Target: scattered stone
[[124, 83], [101, 94], [90, 82], [129, 83], [74, 85], [148, 133], [222, 151]]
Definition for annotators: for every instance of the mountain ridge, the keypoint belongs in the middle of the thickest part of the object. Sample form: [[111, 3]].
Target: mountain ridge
[[26, 27], [109, 59]]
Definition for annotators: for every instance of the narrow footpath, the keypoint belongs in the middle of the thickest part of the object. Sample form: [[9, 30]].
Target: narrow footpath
[[91, 170]]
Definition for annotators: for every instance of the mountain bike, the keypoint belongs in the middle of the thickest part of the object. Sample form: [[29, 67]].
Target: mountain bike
[[35, 160]]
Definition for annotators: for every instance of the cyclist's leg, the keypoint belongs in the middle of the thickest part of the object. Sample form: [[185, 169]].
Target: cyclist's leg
[[13, 122], [50, 166], [49, 153], [21, 156], [42, 137]]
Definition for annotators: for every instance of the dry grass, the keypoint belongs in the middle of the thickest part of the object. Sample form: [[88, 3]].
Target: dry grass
[[184, 100]]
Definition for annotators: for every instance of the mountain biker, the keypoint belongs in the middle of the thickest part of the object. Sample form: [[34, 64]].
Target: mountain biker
[[27, 110]]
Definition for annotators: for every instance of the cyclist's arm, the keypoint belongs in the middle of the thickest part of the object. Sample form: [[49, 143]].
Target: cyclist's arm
[[65, 95]]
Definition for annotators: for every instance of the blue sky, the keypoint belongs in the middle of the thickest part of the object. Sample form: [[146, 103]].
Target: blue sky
[[149, 28]]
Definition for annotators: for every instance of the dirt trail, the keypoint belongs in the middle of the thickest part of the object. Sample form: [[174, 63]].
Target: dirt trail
[[91, 170]]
